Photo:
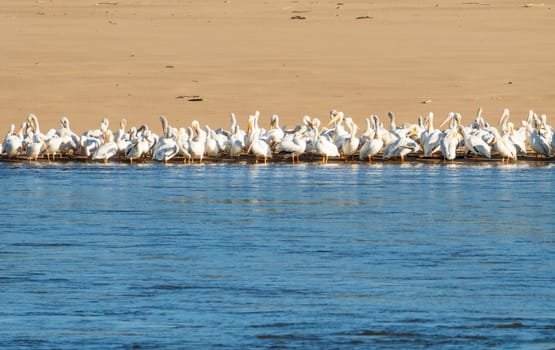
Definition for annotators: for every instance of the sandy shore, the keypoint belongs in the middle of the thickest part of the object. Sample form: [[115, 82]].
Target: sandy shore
[[140, 59]]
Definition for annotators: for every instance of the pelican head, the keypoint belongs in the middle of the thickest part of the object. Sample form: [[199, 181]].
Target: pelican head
[[164, 122], [33, 121], [274, 121], [337, 119], [196, 126], [64, 121], [504, 116]]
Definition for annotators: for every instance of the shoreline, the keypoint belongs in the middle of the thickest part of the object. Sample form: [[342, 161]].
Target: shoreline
[[306, 159]]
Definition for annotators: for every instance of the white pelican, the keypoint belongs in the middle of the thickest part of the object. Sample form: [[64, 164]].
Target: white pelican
[[182, 140], [474, 143], [350, 144], [121, 134], [431, 138], [449, 144], [258, 146], [275, 134], [322, 144], [13, 143], [53, 143], [374, 145], [197, 144], [403, 145], [536, 139], [38, 136], [166, 150], [368, 132], [89, 145], [236, 142], [34, 123], [107, 149], [211, 146], [504, 146], [123, 138], [167, 136], [392, 124], [503, 143], [70, 141], [516, 137], [451, 138], [139, 147], [35, 145], [295, 146], [338, 133]]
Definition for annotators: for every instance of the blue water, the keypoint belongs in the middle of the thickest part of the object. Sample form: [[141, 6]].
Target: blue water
[[253, 256]]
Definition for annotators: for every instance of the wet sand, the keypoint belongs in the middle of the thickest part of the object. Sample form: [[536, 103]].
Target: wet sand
[[140, 59]]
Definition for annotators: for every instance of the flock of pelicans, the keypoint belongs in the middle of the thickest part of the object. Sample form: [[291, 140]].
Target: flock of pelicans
[[339, 139]]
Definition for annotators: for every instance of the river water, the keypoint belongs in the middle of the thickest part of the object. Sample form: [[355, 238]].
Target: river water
[[256, 256]]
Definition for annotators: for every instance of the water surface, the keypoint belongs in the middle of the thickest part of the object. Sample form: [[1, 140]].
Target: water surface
[[244, 256]]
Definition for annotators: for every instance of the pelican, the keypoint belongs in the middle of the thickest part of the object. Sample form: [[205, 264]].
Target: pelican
[[338, 133], [349, 145], [89, 145], [449, 142], [403, 145], [368, 132], [258, 146], [106, 150], [275, 134], [236, 142], [474, 143], [139, 147], [197, 144], [121, 134], [516, 137], [211, 146], [34, 123], [35, 145], [503, 143], [53, 143], [39, 137], [392, 123], [295, 146], [374, 144], [70, 141], [182, 141], [13, 143], [123, 138], [504, 146], [431, 138], [536, 139], [166, 150], [322, 143]]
